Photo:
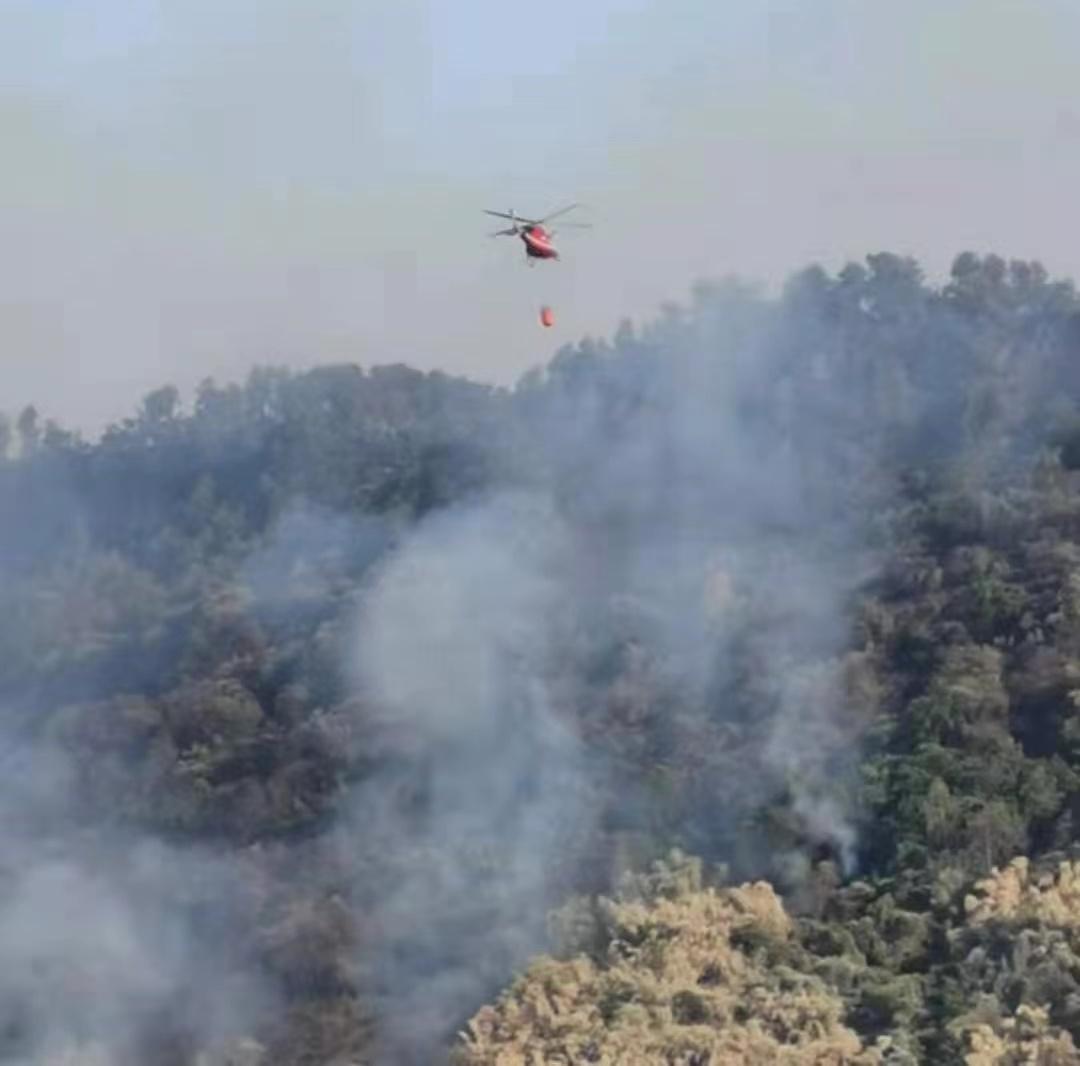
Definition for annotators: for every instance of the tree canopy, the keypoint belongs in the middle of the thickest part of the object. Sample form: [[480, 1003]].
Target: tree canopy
[[340, 703]]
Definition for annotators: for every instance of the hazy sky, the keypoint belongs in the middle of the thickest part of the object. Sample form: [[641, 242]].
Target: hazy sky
[[192, 186]]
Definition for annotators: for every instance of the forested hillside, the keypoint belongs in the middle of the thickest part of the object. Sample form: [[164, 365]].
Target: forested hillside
[[714, 692]]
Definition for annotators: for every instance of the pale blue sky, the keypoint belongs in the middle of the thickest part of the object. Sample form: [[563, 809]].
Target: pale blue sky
[[191, 186]]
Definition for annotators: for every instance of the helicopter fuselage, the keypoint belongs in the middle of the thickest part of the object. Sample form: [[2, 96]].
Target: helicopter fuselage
[[537, 242]]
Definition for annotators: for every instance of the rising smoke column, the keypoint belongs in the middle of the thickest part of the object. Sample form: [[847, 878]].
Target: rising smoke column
[[667, 480], [717, 499], [454, 651]]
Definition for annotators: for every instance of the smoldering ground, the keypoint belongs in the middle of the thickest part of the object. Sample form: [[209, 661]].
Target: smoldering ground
[[117, 949], [119, 946]]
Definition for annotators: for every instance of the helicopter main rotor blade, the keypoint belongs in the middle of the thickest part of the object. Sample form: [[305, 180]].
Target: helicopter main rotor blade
[[512, 217], [557, 214]]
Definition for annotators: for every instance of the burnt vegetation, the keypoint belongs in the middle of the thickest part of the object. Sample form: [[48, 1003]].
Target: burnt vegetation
[[179, 601]]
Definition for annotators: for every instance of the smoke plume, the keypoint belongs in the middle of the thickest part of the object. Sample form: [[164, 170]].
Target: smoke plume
[[669, 508], [455, 647]]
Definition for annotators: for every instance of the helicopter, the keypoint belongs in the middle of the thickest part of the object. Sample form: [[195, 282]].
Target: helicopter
[[536, 238]]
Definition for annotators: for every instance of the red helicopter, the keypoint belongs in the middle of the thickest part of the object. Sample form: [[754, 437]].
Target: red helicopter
[[536, 238]]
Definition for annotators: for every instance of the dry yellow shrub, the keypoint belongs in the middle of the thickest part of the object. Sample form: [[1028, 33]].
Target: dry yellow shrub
[[671, 990], [1014, 895], [1026, 1038]]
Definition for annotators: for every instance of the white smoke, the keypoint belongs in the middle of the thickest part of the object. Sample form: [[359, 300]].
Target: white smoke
[[682, 516], [454, 649], [104, 960]]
